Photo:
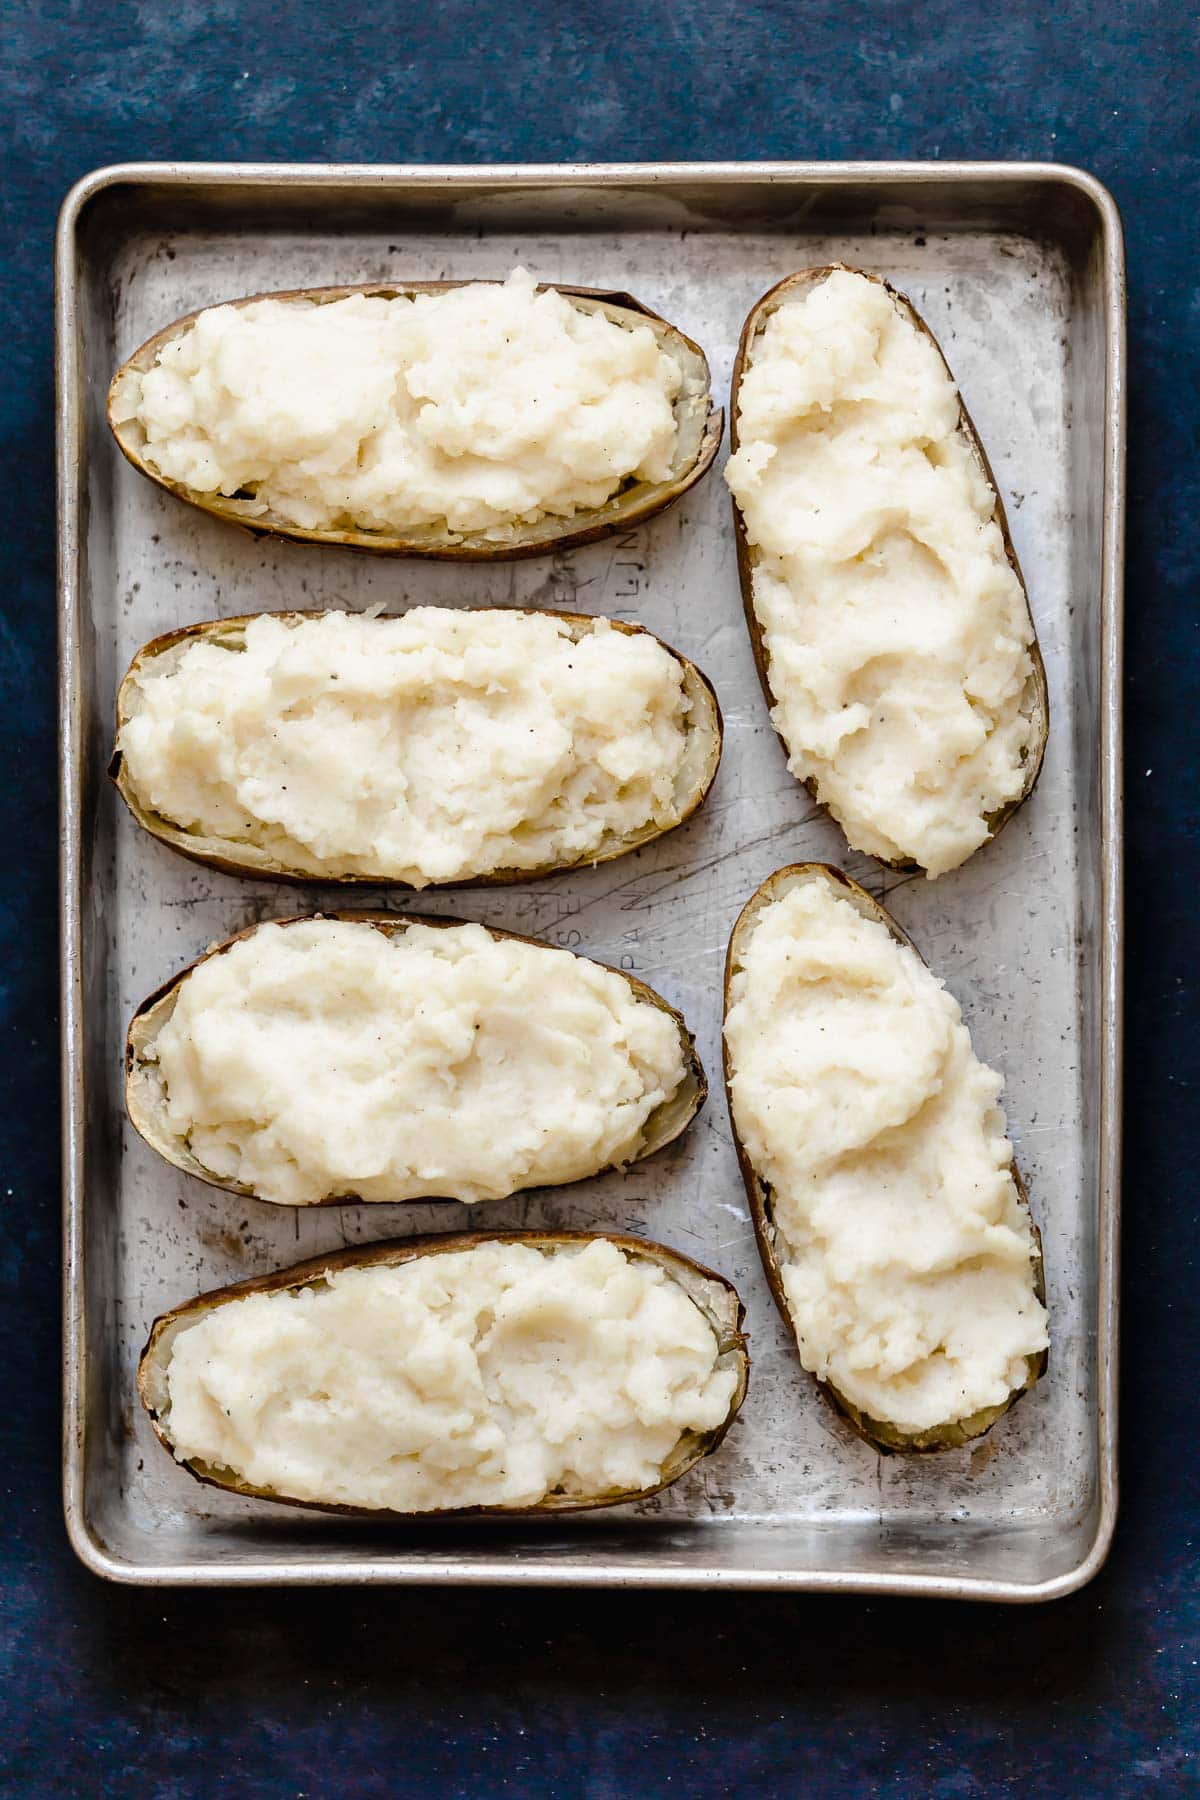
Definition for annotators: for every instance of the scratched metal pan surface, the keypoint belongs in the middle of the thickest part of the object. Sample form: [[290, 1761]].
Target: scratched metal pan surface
[[1018, 269]]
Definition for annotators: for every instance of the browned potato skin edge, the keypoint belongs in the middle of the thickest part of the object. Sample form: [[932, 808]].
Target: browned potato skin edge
[[693, 1089], [467, 549], [878, 1433], [694, 1449], [755, 320], [185, 843]]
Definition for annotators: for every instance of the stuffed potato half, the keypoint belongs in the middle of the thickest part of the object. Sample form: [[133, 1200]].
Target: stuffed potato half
[[752, 566], [652, 732], [862, 1210], [391, 1057], [519, 1292], [697, 423]]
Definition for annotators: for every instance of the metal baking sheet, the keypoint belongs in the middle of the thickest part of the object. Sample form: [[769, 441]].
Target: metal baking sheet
[[1019, 271]]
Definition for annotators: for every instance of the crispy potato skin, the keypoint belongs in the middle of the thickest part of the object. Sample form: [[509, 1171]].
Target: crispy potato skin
[[630, 506], [707, 724], [791, 288], [881, 1435], [726, 1315], [673, 1117]]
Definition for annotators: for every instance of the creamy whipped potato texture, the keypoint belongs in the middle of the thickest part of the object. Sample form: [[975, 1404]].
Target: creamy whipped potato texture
[[476, 409], [906, 1254], [897, 635], [492, 1376], [324, 1059], [432, 747]]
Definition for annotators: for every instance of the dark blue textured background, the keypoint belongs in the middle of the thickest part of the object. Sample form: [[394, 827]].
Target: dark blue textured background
[[398, 1693]]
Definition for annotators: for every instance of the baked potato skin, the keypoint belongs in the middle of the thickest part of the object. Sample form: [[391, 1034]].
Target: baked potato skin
[[628, 507], [725, 1313], [881, 1435], [707, 725], [663, 1126], [790, 288]]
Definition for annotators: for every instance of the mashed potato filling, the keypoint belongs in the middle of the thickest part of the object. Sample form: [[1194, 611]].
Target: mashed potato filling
[[473, 409], [433, 747], [896, 633], [492, 1376], [325, 1059], [906, 1253]]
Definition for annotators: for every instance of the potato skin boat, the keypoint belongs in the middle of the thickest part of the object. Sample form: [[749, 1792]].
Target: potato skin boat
[[702, 760], [699, 428], [716, 1297], [881, 1435], [793, 287], [668, 1122]]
